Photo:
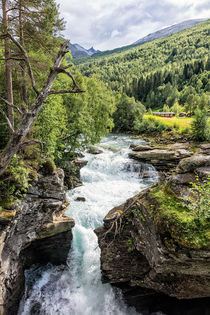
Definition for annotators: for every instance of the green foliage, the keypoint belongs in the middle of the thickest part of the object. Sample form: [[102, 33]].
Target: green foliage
[[198, 200], [15, 182], [130, 245], [150, 125], [84, 118], [166, 108], [176, 219], [51, 124], [128, 114], [200, 126], [176, 108]]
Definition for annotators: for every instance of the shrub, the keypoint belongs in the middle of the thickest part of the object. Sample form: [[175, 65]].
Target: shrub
[[200, 128], [48, 168], [14, 183], [198, 201]]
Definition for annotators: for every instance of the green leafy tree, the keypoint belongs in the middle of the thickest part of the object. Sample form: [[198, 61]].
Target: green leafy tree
[[128, 113], [200, 128]]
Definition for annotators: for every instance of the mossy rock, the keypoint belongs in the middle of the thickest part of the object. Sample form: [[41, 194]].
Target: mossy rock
[[173, 218], [6, 216]]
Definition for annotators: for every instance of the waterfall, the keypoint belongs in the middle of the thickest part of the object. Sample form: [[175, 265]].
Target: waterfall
[[109, 178]]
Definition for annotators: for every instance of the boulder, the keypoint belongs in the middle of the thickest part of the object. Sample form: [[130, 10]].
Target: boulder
[[95, 150], [192, 163], [137, 148], [134, 254], [80, 199], [161, 159], [205, 148], [203, 172]]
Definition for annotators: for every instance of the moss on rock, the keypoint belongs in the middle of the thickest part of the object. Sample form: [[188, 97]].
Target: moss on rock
[[174, 218]]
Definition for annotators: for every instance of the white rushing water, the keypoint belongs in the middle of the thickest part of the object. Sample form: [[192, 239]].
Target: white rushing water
[[109, 179]]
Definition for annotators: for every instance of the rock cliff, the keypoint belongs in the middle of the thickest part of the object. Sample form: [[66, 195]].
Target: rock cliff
[[151, 244], [33, 233]]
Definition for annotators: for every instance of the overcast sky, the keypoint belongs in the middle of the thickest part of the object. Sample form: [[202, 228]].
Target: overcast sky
[[107, 24]]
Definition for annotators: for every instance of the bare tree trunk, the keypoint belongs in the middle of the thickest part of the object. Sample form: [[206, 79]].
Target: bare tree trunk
[[8, 66], [23, 70], [28, 118]]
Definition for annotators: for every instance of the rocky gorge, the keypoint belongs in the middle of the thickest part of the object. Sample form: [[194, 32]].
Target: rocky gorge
[[33, 233], [148, 249], [151, 247]]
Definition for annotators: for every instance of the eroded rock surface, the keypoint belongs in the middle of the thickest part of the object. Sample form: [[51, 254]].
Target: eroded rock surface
[[72, 173], [163, 159], [144, 255], [38, 233]]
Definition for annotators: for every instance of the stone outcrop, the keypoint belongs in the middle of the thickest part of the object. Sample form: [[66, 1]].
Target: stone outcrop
[[37, 233], [133, 253], [94, 150], [145, 256], [72, 173], [192, 163], [136, 147], [163, 159]]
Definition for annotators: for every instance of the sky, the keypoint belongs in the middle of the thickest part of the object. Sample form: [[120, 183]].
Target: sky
[[107, 24]]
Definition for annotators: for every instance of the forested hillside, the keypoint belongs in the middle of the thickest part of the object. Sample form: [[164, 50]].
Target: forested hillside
[[173, 70]]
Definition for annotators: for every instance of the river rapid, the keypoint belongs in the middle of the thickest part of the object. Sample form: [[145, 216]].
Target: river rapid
[[109, 179]]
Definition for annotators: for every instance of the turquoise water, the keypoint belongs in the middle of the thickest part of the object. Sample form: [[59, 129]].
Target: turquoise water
[[109, 179]]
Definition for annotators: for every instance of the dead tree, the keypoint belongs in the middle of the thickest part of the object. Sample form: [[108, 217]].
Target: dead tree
[[28, 116]]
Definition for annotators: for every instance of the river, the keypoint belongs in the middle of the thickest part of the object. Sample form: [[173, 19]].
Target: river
[[109, 179]]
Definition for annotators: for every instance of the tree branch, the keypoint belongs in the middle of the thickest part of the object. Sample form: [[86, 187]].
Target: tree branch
[[8, 121], [62, 70], [11, 105], [30, 72]]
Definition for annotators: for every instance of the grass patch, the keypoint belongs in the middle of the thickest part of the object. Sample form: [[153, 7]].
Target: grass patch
[[175, 220], [174, 122]]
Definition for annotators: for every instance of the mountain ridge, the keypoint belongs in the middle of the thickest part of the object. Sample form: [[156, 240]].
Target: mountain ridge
[[78, 51], [185, 25], [169, 30]]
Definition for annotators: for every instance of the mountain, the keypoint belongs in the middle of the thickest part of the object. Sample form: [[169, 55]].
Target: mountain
[[169, 30], [163, 71], [161, 33], [78, 51]]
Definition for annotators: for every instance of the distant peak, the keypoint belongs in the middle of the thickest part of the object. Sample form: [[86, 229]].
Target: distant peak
[[78, 51]]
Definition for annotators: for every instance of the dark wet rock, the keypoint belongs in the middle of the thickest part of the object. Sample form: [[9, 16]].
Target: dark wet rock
[[38, 233], [72, 173], [80, 199]]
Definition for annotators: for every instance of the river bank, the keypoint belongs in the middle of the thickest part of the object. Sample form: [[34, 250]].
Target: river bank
[[109, 177], [153, 243]]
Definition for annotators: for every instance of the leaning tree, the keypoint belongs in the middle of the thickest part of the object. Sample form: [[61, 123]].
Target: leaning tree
[[27, 113]]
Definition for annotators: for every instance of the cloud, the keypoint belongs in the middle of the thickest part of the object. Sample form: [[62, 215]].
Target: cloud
[[106, 24]]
